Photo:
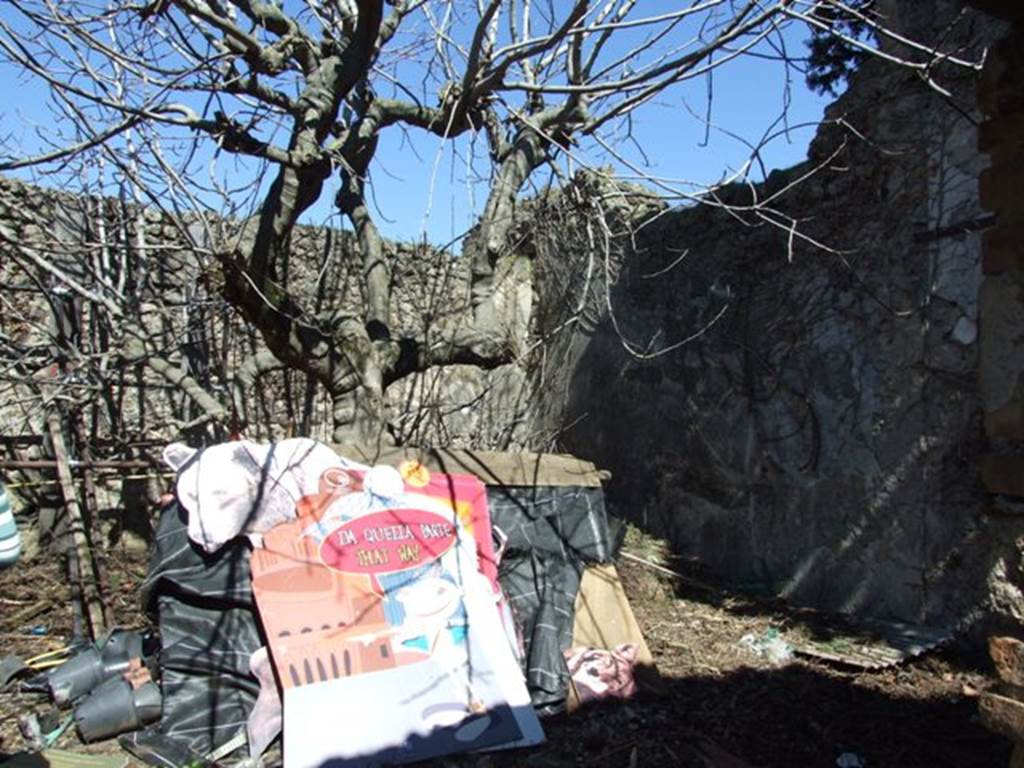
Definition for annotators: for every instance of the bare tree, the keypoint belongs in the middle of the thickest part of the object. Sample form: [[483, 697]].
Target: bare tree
[[297, 92]]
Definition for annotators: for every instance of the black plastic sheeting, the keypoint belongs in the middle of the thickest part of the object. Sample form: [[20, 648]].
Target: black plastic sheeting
[[204, 610], [553, 533], [208, 629]]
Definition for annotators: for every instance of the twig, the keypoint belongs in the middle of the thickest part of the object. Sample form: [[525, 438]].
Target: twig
[[667, 571], [29, 613]]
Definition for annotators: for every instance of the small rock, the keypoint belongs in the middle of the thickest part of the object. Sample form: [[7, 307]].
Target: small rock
[[965, 331]]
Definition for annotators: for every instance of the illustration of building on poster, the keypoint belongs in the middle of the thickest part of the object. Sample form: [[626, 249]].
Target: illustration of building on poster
[[379, 601]]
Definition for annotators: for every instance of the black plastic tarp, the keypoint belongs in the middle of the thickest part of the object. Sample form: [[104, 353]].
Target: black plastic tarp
[[553, 533], [204, 610]]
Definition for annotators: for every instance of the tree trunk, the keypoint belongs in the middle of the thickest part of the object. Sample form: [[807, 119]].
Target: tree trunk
[[490, 241], [493, 260]]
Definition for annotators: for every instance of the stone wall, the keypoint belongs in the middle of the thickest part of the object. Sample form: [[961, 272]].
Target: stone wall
[[819, 436], [1001, 299], [154, 268]]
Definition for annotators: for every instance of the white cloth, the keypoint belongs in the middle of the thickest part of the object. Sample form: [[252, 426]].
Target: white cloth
[[265, 719], [244, 487]]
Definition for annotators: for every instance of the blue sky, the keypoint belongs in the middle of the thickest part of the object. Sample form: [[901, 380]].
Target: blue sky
[[422, 185], [748, 96], [425, 187]]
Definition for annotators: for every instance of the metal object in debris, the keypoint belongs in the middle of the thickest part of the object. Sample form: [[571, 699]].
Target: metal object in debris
[[88, 669], [118, 705]]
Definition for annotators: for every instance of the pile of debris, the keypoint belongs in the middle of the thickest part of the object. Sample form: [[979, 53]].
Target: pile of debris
[[372, 609]]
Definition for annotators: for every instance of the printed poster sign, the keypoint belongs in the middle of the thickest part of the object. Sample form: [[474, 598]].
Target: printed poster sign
[[379, 604]]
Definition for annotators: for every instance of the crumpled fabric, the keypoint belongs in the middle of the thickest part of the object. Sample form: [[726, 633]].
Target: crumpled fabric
[[602, 674], [541, 591], [266, 717], [552, 533], [243, 487]]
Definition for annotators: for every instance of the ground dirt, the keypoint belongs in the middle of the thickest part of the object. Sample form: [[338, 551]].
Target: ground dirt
[[718, 704]]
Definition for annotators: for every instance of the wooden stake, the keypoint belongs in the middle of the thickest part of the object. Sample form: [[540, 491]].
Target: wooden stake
[[93, 604], [99, 547], [98, 464]]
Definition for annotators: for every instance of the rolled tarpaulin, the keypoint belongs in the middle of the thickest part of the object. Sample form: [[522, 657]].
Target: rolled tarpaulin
[[10, 540]]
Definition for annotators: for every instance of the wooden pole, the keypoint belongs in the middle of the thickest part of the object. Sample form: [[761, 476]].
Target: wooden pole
[[76, 465], [91, 600], [99, 547]]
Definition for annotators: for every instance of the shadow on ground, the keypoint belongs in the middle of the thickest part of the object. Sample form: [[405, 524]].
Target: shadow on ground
[[792, 717], [720, 706]]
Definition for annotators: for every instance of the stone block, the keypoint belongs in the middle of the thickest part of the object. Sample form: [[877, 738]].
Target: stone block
[[1003, 474], [1008, 655], [1003, 247], [1002, 715]]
